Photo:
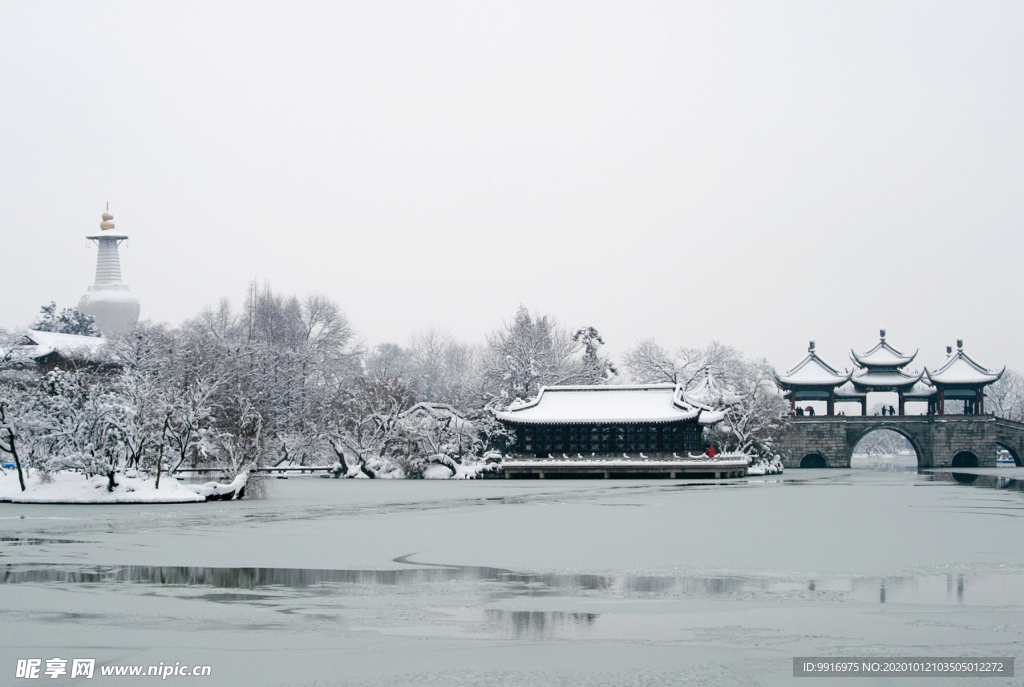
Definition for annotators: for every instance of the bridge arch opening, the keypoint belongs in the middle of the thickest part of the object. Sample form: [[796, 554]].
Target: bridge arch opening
[[1008, 451], [885, 449], [813, 460], [964, 459]]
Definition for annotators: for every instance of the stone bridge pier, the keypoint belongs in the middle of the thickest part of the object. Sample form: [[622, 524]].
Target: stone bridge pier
[[939, 440]]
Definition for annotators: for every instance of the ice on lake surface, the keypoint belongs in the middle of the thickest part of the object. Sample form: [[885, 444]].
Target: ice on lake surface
[[498, 582]]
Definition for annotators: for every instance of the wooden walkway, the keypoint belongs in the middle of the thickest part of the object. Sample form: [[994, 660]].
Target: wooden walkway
[[598, 468]]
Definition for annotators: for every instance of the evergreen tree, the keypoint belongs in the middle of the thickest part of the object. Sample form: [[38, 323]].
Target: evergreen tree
[[69, 321]]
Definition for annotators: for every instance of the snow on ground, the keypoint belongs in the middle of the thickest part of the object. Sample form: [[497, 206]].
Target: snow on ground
[[462, 471], [73, 487]]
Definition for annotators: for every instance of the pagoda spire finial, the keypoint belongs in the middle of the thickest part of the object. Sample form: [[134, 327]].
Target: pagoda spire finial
[[106, 217]]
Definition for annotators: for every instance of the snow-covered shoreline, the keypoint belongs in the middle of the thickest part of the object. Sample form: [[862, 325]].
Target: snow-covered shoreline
[[68, 487]]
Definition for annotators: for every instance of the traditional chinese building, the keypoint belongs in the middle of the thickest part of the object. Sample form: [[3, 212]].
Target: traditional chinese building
[[881, 369], [656, 420], [812, 379], [959, 377], [51, 350]]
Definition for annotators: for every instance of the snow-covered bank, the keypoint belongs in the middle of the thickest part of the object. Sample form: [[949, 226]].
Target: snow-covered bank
[[462, 470], [764, 467], [73, 487]]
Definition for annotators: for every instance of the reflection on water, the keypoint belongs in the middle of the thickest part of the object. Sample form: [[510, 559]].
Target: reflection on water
[[540, 624], [35, 541], [984, 481], [984, 589], [237, 578]]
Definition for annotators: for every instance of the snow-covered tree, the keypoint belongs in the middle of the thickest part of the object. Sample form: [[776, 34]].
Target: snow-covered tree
[[389, 361], [756, 413], [1005, 397], [596, 368], [529, 352], [445, 370], [649, 363], [77, 427], [68, 321], [364, 426], [9, 439], [141, 390]]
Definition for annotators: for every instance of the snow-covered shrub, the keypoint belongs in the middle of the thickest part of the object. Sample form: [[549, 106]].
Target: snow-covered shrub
[[765, 466]]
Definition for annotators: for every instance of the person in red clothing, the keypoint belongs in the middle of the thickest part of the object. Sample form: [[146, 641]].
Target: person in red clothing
[[710, 451]]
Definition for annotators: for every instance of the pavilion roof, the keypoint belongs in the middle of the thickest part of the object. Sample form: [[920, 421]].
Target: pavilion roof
[[709, 394], [885, 378], [921, 390], [960, 370], [609, 404], [848, 391], [882, 355], [812, 371]]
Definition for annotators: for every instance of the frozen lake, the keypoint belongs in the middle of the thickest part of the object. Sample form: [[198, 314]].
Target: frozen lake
[[497, 582]]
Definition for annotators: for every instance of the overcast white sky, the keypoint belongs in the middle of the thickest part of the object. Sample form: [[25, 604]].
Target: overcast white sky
[[760, 173]]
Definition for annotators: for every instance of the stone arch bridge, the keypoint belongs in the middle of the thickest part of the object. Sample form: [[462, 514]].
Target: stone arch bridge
[[939, 440]]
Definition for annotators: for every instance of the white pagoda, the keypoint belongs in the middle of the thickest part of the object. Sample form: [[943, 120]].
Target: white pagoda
[[108, 300]]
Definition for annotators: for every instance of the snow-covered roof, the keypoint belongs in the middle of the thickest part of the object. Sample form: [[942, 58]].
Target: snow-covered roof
[[959, 369], [812, 371], [921, 390], [709, 394], [437, 411], [882, 355], [848, 390], [885, 378], [64, 344], [608, 404]]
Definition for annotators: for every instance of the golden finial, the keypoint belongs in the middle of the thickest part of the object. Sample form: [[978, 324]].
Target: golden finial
[[106, 223]]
